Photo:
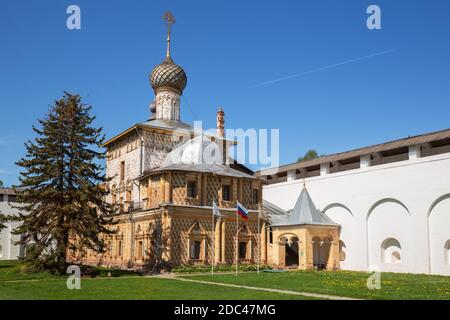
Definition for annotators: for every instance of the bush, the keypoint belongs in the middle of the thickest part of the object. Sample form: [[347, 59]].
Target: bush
[[218, 268], [93, 272]]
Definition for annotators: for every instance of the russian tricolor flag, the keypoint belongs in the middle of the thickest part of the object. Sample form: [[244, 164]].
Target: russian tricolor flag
[[242, 211]]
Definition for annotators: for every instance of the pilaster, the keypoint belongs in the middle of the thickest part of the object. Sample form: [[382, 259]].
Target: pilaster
[[223, 242]]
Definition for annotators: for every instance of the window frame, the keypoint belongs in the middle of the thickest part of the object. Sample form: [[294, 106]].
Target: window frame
[[119, 248], [245, 256], [197, 249], [192, 182], [122, 171], [228, 187]]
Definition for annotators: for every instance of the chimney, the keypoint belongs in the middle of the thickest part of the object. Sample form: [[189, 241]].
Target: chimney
[[221, 133], [220, 123]]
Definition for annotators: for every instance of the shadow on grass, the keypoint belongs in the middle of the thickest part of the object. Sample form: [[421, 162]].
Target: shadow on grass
[[101, 272]]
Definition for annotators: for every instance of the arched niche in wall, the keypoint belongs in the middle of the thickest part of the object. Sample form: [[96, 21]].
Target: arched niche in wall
[[388, 219], [348, 232], [439, 235]]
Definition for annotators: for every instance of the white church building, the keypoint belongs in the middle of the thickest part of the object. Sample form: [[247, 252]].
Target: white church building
[[392, 202]]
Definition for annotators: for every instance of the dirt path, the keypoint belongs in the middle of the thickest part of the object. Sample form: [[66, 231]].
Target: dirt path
[[297, 293]]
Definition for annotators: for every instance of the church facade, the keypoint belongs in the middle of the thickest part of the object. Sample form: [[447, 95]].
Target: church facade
[[166, 176]]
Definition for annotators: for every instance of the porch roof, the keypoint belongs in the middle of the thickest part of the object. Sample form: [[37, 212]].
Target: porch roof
[[303, 213]]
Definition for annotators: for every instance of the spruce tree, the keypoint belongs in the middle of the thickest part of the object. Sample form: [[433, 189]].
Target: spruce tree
[[61, 193]]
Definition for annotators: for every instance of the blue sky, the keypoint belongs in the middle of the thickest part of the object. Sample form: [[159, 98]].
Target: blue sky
[[226, 49]]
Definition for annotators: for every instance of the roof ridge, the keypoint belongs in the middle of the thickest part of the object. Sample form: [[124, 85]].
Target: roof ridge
[[316, 161]]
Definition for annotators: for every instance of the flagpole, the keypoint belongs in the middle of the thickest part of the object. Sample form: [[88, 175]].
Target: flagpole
[[237, 235], [259, 241], [212, 237]]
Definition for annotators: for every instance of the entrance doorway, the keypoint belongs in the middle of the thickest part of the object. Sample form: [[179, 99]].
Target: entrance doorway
[[321, 252], [291, 252]]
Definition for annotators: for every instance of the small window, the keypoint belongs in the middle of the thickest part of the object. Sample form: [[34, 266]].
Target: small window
[[195, 250], [191, 189], [255, 195], [119, 248], [140, 249], [121, 203], [1, 251], [242, 250], [122, 171], [226, 196], [11, 198], [2, 198]]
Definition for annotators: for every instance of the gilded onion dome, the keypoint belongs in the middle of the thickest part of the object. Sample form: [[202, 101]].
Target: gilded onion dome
[[168, 75]]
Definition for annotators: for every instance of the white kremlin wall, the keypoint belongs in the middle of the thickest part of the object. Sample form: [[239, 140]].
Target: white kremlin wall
[[395, 216]]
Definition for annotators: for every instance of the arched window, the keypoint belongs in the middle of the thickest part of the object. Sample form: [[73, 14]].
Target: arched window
[[391, 251], [140, 249], [194, 251], [197, 243], [245, 245], [139, 243], [446, 253], [242, 250]]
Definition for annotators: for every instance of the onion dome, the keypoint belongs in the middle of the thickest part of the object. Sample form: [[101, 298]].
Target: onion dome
[[168, 75]]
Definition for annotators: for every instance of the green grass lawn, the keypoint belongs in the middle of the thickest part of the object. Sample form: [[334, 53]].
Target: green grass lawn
[[344, 283], [14, 284]]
